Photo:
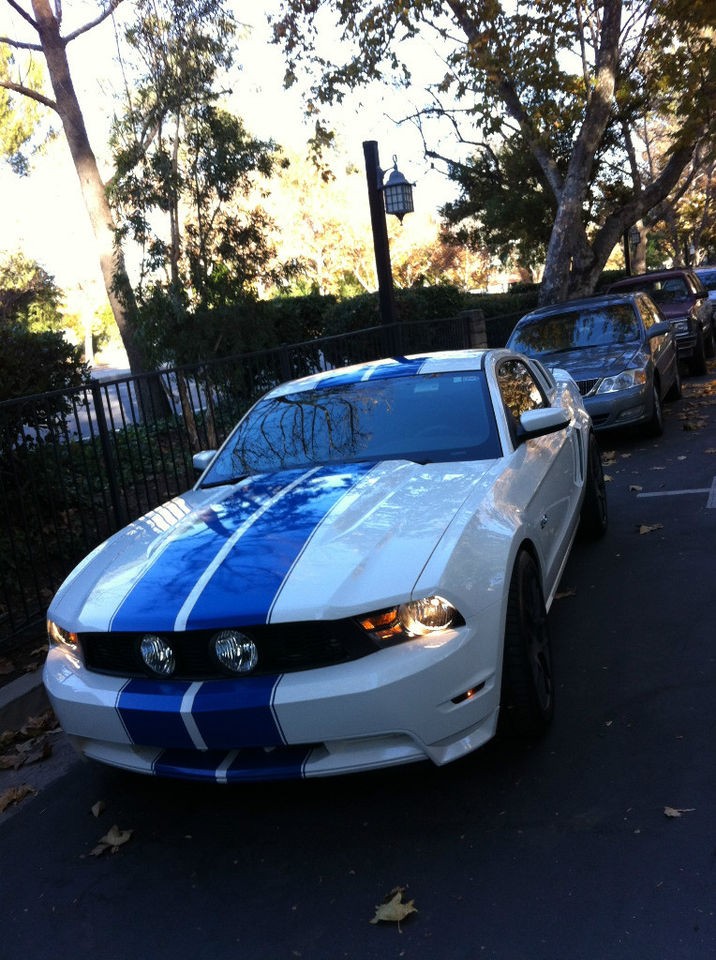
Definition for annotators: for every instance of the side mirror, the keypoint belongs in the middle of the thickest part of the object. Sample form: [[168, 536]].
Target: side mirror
[[538, 423], [200, 461], [659, 329]]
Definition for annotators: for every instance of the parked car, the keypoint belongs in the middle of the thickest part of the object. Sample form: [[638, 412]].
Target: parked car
[[685, 303], [618, 348], [707, 276], [360, 578]]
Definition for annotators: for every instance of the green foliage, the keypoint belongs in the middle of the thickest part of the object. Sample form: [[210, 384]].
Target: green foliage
[[35, 363], [35, 357], [504, 204], [573, 85], [20, 116], [28, 294], [185, 170]]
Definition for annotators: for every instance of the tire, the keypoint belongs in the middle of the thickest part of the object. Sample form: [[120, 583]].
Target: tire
[[675, 388], [654, 427], [697, 364], [594, 518], [709, 345], [527, 694]]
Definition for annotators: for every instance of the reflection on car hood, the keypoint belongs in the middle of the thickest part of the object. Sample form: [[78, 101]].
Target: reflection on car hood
[[291, 545], [589, 363]]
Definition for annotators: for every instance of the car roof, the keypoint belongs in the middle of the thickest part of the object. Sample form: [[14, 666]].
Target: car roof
[[651, 275], [419, 364], [573, 306]]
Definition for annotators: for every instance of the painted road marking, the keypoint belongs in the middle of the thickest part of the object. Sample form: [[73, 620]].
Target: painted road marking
[[710, 503]]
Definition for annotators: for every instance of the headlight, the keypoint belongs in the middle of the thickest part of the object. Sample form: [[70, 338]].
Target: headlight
[[58, 636], [622, 381], [418, 618]]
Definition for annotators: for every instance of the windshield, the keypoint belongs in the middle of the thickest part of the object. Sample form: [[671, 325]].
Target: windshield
[[708, 278], [576, 330], [425, 418], [669, 290]]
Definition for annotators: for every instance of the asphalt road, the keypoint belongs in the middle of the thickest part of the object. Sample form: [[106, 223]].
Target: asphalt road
[[597, 843]]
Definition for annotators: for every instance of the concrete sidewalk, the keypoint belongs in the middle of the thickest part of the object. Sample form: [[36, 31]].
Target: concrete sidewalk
[[20, 699]]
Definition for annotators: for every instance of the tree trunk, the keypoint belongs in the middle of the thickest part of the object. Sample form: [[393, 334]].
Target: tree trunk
[[114, 273]]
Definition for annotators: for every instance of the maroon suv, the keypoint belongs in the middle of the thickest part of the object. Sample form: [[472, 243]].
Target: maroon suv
[[684, 301]]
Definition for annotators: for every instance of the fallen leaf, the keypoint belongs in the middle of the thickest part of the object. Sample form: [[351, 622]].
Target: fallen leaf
[[44, 722], [635, 488], [393, 910], [650, 527], [568, 592], [112, 840], [681, 458], [608, 457], [710, 450], [15, 795], [674, 812], [98, 808], [607, 478]]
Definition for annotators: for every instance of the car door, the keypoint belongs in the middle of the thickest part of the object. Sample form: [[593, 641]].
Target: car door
[[547, 470], [663, 350]]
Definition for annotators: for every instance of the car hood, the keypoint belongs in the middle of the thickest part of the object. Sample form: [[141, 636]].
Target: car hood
[[591, 363], [323, 543]]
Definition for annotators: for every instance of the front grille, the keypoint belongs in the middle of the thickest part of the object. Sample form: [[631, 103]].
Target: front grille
[[587, 386], [282, 648]]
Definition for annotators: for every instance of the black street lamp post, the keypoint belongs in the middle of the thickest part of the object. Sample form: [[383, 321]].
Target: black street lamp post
[[396, 197]]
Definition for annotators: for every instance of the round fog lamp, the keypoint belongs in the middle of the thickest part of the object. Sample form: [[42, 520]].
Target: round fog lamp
[[157, 655], [235, 651]]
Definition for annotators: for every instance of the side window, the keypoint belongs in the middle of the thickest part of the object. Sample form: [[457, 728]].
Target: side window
[[520, 391], [648, 313]]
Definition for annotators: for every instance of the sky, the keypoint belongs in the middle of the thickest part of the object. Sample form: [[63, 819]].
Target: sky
[[44, 215]]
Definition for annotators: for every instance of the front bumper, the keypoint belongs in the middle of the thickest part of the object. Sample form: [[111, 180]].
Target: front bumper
[[621, 409], [399, 705]]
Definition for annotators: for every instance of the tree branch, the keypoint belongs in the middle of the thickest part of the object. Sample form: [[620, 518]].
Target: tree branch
[[509, 96], [23, 13], [20, 44], [113, 4], [27, 92]]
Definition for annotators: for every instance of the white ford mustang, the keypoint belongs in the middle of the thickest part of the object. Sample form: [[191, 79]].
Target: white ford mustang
[[359, 579]]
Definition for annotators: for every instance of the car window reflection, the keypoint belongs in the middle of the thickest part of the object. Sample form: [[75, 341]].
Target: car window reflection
[[438, 417]]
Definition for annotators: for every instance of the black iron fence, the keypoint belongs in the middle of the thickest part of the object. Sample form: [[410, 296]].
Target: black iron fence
[[76, 465]]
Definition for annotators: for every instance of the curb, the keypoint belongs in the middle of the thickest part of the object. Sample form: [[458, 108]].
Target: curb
[[21, 699]]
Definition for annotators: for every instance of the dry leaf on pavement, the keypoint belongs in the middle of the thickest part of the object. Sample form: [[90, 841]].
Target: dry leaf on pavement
[[675, 812], [393, 910], [98, 808], [567, 592], [650, 527], [112, 840], [15, 795]]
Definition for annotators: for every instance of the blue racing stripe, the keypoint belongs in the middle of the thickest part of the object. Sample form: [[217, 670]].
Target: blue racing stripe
[[242, 589], [236, 713], [396, 367], [154, 602], [283, 763], [151, 713]]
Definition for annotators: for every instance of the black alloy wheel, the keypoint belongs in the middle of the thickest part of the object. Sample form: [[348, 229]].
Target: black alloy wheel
[[527, 695]]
